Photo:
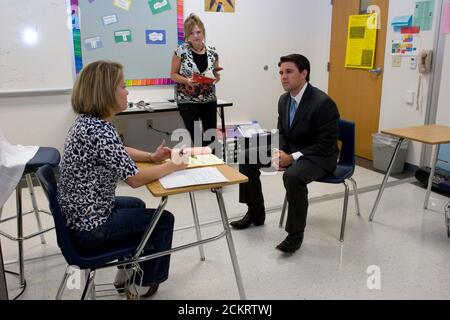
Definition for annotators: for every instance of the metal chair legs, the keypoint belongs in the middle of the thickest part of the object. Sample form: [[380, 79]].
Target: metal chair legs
[[344, 210]]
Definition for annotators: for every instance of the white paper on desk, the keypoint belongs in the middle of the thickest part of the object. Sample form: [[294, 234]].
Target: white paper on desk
[[192, 177]]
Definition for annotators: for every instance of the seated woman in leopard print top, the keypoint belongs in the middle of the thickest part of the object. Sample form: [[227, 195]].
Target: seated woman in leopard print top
[[94, 160]]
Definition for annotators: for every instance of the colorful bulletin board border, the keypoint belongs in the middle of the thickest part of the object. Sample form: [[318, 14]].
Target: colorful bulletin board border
[[78, 59]]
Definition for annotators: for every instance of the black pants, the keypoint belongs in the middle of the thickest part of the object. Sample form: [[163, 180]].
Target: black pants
[[204, 112], [295, 178]]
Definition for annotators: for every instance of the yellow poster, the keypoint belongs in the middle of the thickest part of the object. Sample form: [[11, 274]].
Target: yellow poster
[[219, 5], [361, 41]]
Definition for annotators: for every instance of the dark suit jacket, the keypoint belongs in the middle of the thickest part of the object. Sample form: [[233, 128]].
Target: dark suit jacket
[[314, 131]]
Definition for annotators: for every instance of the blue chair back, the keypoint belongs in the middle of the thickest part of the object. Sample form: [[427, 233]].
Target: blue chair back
[[74, 256], [347, 138]]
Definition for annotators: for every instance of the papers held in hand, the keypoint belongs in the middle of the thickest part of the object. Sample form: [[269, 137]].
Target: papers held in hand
[[202, 79]]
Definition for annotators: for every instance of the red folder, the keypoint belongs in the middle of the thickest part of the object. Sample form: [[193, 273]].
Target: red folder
[[202, 79]]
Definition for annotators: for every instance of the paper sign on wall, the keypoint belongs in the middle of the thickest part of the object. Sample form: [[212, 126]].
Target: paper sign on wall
[[158, 6], [423, 15], [219, 5], [405, 45], [155, 36], [445, 20], [361, 41], [122, 36]]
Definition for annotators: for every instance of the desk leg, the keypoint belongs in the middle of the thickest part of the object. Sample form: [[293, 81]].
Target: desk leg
[[150, 227], [20, 235], [385, 179], [234, 261], [224, 134], [197, 225], [430, 179]]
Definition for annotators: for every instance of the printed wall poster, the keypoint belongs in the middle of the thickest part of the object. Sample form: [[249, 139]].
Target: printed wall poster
[[219, 5]]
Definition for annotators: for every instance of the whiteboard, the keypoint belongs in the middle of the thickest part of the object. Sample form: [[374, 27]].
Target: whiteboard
[[141, 35], [44, 66]]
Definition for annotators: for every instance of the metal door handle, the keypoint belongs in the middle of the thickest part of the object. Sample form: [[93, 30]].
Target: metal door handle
[[376, 71]]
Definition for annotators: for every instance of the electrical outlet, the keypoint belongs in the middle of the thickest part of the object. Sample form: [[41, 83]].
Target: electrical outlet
[[149, 123]]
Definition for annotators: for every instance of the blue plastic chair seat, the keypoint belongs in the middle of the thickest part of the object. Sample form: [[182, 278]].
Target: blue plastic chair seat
[[341, 173], [44, 155]]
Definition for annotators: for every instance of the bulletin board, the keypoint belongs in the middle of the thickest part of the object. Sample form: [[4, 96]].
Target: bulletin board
[[142, 35]]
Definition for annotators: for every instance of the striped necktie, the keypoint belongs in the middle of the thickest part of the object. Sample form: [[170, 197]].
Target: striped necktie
[[292, 111]]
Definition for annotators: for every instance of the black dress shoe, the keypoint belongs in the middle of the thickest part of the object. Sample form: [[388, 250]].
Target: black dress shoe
[[255, 215], [291, 243]]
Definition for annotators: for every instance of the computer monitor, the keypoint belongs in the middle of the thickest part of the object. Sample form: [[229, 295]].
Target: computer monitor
[[443, 161]]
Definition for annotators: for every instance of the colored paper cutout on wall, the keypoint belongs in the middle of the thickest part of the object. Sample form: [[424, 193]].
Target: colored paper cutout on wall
[[220, 5], [109, 19], [93, 43], [122, 36], [155, 36], [158, 6], [423, 15], [122, 4], [405, 45], [361, 41]]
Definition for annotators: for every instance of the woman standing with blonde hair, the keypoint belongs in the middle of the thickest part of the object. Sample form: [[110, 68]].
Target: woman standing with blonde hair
[[196, 101]]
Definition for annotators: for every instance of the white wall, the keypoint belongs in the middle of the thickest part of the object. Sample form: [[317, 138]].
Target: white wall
[[394, 111], [247, 40], [443, 112]]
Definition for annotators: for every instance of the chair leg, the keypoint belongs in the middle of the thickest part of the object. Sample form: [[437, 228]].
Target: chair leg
[[355, 191], [344, 211], [283, 212], [35, 207], [89, 285], [63, 284], [1, 211], [197, 225]]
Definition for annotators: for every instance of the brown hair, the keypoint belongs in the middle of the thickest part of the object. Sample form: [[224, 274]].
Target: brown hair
[[300, 61], [94, 92], [189, 24]]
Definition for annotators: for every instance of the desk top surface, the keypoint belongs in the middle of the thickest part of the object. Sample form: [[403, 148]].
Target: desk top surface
[[233, 176], [162, 105], [430, 134]]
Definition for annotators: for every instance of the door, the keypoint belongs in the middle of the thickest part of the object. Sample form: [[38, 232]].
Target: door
[[357, 92]]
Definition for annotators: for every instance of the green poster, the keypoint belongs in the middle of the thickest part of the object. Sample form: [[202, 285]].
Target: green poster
[[122, 36], [158, 6], [423, 15]]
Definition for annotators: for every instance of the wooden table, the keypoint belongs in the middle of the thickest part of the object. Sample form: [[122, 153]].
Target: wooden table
[[157, 190], [430, 134]]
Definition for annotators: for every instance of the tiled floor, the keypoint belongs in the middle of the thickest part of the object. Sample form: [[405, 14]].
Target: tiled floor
[[407, 245]]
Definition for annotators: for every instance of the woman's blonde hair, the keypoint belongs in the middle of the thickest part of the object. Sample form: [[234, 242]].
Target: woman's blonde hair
[[189, 24], [94, 92]]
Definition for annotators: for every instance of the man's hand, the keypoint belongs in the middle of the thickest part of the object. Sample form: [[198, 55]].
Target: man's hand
[[162, 152], [281, 159]]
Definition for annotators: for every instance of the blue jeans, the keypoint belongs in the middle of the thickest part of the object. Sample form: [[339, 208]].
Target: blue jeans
[[127, 222]]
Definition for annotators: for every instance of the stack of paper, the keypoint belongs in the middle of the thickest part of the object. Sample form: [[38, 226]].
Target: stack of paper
[[192, 177]]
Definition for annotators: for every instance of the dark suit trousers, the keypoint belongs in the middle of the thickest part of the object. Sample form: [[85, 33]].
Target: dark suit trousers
[[204, 112], [295, 178]]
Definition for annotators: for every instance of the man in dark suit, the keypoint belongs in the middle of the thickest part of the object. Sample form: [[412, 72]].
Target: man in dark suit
[[308, 150]]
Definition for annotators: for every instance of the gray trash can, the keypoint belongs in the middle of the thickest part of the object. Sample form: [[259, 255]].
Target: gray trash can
[[383, 148]]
